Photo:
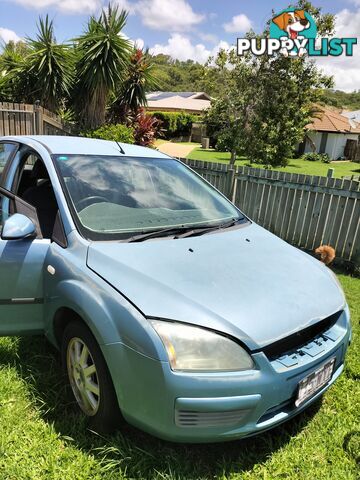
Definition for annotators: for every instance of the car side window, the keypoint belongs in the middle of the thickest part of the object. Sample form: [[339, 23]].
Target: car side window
[[23, 178], [6, 150], [4, 210]]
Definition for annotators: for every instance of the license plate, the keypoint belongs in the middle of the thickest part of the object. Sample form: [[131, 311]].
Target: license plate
[[312, 383]]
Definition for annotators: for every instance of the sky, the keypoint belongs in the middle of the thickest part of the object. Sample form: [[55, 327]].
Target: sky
[[184, 29]]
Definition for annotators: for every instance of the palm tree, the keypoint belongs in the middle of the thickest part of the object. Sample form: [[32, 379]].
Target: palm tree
[[139, 80], [12, 55], [103, 55], [49, 65], [14, 81]]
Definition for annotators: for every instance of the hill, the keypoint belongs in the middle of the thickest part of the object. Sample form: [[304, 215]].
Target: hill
[[340, 99]]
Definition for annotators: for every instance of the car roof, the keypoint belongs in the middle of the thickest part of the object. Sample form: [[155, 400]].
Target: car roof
[[57, 144]]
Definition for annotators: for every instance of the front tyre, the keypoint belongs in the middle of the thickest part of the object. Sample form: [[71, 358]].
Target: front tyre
[[89, 377]]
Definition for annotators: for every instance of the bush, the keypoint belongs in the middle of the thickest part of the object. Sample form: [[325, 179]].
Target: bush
[[145, 129], [175, 124], [117, 133], [316, 157]]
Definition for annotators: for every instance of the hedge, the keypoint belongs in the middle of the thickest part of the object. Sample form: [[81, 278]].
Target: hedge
[[175, 124], [117, 133]]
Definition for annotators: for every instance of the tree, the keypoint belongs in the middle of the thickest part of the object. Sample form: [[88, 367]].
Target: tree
[[339, 99], [102, 58], [48, 66], [286, 90], [266, 102], [184, 76], [227, 118], [12, 55], [37, 69], [14, 81], [140, 79], [325, 22]]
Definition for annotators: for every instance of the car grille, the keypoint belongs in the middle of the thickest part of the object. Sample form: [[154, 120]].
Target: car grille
[[188, 418], [301, 338]]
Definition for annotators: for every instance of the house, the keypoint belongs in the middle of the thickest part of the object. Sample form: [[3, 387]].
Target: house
[[191, 102], [331, 133]]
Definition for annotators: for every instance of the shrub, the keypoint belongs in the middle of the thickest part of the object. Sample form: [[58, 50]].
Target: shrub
[[145, 129], [175, 124], [316, 157], [117, 133]]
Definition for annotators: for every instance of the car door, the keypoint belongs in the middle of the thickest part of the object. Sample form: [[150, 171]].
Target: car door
[[21, 267]]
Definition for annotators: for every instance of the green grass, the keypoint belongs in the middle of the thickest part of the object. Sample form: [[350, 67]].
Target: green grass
[[42, 437], [341, 169]]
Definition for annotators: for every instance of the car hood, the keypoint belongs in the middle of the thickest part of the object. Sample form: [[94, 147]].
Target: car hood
[[245, 282]]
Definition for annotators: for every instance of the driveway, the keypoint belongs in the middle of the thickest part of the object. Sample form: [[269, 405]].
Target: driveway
[[176, 149]]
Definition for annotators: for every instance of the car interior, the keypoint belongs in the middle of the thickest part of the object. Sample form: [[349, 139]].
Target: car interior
[[133, 186], [32, 184]]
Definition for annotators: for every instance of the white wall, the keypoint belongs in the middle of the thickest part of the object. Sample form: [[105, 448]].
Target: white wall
[[316, 138], [335, 143]]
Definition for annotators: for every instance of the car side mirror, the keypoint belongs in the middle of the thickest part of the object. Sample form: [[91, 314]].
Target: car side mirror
[[18, 227]]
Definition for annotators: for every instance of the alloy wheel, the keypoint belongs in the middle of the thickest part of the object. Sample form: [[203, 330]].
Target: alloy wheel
[[83, 376]]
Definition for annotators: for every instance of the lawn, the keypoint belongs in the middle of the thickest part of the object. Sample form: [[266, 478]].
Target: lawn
[[341, 169], [41, 437]]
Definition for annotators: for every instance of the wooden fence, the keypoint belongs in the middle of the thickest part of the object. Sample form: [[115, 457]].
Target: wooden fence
[[306, 211], [23, 119]]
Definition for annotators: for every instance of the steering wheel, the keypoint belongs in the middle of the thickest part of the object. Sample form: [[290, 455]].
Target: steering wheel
[[85, 202]]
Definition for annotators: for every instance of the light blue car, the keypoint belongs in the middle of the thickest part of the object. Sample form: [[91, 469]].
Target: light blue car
[[172, 310]]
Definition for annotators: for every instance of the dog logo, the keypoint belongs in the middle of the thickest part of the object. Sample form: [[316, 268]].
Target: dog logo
[[295, 25], [293, 33], [292, 23]]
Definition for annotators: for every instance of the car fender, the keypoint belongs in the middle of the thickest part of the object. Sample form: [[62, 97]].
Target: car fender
[[108, 315]]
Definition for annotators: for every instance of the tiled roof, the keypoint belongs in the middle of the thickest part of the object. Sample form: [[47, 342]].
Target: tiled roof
[[330, 121]]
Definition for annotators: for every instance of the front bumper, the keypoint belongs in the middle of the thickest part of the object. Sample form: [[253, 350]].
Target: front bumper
[[188, 407]]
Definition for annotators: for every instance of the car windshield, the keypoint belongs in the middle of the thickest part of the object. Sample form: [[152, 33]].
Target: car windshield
[[119, 196]]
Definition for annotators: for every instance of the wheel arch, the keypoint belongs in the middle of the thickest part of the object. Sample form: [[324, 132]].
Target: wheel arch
[[63, 316], [108, 316], [75, 300]]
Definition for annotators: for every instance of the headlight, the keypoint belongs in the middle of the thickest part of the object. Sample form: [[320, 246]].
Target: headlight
[[196, 349]]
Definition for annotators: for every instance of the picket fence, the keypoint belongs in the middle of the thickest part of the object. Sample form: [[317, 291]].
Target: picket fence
[[306, 211]]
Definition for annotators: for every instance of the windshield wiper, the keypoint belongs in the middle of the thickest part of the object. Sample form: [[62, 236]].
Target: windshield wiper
[[200, 231], [181, 231], [159, 233]]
